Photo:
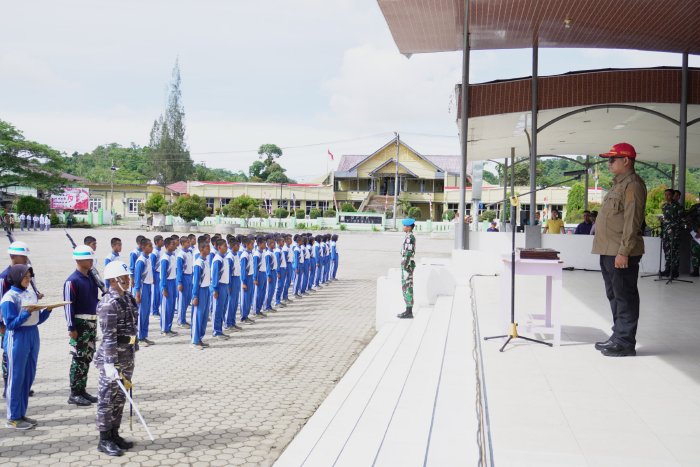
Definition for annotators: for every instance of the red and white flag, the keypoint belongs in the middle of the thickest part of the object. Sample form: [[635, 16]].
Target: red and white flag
[[330, 154]]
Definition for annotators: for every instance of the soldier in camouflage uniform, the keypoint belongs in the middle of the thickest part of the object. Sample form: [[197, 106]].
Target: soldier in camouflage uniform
[[408, 252], [693, 220], [671, 233], [118, 318]]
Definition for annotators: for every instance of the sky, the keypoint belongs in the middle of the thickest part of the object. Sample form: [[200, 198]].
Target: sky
[[311, 76]]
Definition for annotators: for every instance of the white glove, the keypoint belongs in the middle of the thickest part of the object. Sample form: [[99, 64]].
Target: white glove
[[111, 372]]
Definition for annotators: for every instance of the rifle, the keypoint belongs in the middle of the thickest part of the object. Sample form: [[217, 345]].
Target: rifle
[[93, 273], [29, 263]]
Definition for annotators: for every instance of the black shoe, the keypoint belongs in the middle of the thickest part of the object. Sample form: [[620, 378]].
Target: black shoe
[[695, 273], [79, 400], [665, 273], [107, 445], [236, 328], [119, 441], [146, 342], [604, 344], [261, 314], [87, 396], [405, 315], [617, 350], [248, 321], [31, 393], [675, 274]]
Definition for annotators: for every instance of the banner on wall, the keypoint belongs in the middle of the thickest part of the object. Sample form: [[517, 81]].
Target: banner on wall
[[74, 199]]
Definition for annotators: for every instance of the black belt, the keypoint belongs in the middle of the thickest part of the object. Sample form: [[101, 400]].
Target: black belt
[[131, 340]]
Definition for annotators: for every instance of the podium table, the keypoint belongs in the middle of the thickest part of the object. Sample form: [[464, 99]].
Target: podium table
[[549, 322]]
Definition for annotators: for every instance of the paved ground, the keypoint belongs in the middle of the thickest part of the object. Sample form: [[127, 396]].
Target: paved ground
[[239, 402]]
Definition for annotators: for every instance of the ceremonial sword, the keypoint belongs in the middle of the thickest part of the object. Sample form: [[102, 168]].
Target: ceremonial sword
[[135, 407]]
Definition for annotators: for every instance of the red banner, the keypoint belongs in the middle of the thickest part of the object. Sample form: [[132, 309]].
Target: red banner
[[74, 199]]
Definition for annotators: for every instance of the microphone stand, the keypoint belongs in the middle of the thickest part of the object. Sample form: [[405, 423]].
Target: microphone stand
[[513, 327]]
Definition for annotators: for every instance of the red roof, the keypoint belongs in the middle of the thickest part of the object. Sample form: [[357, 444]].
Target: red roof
[[178, 187]]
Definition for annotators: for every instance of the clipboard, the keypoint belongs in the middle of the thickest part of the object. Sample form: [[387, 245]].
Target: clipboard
[[41, 306]]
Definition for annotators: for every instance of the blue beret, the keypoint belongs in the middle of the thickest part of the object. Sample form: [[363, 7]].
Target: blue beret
[[408, 222]]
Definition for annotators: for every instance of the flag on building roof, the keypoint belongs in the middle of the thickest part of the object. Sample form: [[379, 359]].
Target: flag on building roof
[[330, 154]]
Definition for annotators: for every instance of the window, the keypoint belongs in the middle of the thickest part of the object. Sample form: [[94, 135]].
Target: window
[[422, 186], [454, 207], [95, 204], [210, 203], [133, 205], [225, 201], [323, 206], [309, 206]]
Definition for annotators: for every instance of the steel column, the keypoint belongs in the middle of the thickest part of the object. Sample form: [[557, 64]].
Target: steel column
[[683, 129], [533, 135], [462, 230], [585, 193]]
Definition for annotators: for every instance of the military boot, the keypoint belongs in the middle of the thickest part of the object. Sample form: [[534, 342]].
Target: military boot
[[119, 441], [107, 445], [408, 314]]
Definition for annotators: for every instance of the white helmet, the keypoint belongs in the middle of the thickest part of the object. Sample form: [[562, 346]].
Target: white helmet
[[116, 269], [83, 252], [18, 249]]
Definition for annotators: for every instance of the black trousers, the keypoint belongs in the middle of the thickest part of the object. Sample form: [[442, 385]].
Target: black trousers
[[621, 290]]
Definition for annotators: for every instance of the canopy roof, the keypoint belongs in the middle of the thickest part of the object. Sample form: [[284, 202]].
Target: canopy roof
[[419, 26]]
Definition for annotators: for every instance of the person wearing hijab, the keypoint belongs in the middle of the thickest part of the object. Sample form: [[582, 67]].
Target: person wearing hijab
[[21, 344]]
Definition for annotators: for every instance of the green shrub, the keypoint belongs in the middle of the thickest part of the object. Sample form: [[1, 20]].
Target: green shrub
[[301, 226], [155, 203], [299, 214], [32, 205], [448, 215], [389, 214], [190, 208], [281, 213], [54, 219], [263, 214], [314, 213], [488, 215], [347, 207], [414, 212], [329, 213]]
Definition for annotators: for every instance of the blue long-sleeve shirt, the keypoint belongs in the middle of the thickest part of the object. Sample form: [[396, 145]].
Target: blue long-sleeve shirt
[[244, 265], [13, 314], [132, 259], [140, 272], [180, 270], [81, 291], [268, 266], [164, 270]]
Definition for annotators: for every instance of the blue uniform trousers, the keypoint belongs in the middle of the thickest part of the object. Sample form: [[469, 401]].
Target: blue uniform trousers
[[219, 307], [288, 280], [233, 300], [200, 315], [184, 298], [167, 306], [271, 286], [145, 310], [22, 347], [155, 311], [335, 266], [281, 281], [247, 302], [260, 290]]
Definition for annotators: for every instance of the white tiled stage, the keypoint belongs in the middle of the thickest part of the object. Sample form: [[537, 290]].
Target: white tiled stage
[[410, 397]]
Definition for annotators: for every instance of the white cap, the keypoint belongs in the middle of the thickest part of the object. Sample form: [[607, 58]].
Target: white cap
[[116, 269], [83, 252], [18, 249]]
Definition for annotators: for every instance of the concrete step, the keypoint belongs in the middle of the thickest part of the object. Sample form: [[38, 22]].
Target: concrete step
[[454, 420], [406, 438], [366, 370]]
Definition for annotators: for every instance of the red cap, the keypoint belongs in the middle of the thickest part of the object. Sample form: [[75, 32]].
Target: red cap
[[621, 150]]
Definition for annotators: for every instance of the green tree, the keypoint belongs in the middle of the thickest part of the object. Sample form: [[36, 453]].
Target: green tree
[[256, 171], [488, 215], [203, 173], [155, 203], [414, 212], [280, 213], [315, 213], [490, 177], [112, 162], [170, 157], [190, 208], [243, 207], [27, 163], [574, 203], [32, 205], [268, 153]]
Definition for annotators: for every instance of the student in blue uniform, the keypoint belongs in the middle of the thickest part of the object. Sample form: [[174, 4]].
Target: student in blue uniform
[[307, 263], [116, 245], [247, 281], [298, 265], [201, 280], [270, 273], [288, 259], [219, 287], [183, 278], [168, 287], [334, 256], [281, 258], [21, 344], [234, 256], [155, 259], [260, 276], [133, 255], [143, 289], [81, 291]]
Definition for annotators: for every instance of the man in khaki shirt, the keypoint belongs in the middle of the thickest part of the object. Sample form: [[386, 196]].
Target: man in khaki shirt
[[618, 241]]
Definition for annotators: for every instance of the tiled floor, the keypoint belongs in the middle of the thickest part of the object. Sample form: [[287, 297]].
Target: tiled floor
[[571, 406]]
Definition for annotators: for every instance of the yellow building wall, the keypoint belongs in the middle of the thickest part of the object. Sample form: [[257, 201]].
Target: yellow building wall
[[407, 158]]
